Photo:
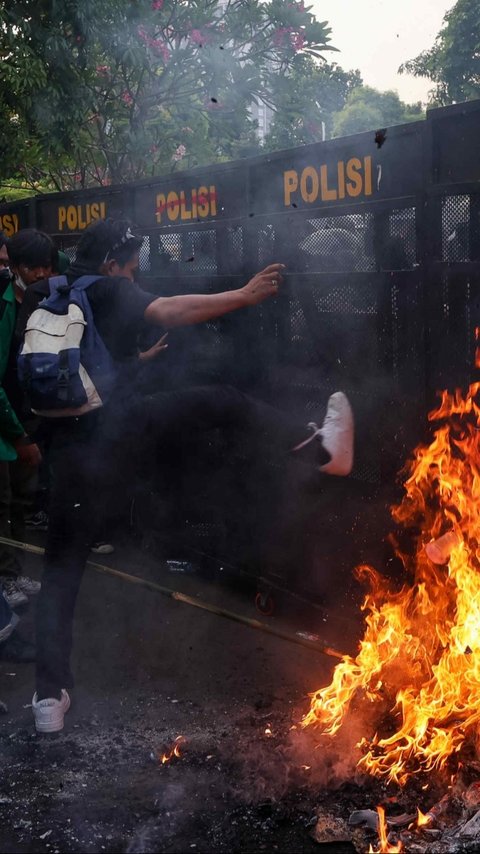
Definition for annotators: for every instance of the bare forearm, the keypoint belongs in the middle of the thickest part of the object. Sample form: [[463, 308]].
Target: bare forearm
[[185, 310]]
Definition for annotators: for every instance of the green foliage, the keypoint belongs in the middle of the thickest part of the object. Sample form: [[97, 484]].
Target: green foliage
[[107, 91], [304, 99], [368, 109], [453, 63]]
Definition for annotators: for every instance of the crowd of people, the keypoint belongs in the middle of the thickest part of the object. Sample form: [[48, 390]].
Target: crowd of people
[[79, 454]]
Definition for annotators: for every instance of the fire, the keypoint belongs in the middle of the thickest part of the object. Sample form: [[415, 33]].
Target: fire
[[174, 752], [420, 654], [423, 820], [385, 847]]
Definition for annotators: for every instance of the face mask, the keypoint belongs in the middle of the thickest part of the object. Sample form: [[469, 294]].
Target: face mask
[[5, 275], [20, 283]]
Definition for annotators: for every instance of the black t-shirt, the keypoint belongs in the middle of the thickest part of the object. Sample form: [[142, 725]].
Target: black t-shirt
[[118, 307]]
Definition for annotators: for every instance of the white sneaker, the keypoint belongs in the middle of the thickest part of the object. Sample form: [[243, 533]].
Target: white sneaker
[[12, 593], [102, 548], [335, 434], [49, 713], [28, 585]]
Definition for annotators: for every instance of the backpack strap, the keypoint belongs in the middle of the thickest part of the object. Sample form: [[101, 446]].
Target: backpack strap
[[84, 282], [59, 284]]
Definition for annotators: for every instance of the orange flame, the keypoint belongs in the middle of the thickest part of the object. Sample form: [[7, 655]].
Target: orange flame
[[421, 648], [175, 751], [423, 820], [385, 847]]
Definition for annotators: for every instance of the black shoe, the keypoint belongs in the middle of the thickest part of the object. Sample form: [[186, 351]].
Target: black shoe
[[18, 650]]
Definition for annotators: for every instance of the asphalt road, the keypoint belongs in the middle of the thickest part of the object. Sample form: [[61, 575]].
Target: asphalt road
[[149, 670]]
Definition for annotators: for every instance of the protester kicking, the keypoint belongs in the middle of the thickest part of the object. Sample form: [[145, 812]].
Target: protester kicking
[[83, 448]]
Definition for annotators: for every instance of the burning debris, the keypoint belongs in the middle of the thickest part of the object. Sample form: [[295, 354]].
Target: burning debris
[[418, 668], [175, 752]]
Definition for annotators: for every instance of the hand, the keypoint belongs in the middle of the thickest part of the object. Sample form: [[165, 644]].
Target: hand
[[154, 351], [28, 453], [264, 285]]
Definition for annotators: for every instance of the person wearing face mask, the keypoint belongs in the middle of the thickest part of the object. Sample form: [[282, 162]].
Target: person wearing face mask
[[19, 456]]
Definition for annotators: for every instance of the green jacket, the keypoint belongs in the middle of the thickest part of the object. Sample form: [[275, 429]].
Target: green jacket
[[10, 427]]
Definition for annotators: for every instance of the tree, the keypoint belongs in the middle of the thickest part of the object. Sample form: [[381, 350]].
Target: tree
[[305, 99], [453, 63], [366, 109], [100, 91]]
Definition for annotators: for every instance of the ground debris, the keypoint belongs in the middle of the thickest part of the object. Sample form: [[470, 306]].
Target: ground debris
[[367, 817], [472, 827], [471, 796], [329, 829]]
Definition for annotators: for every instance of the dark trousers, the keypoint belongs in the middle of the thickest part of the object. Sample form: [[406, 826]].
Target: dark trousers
[[83, 454]]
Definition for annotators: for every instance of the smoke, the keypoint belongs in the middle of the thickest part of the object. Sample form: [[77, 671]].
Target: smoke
[[169, 823], [301, 759]]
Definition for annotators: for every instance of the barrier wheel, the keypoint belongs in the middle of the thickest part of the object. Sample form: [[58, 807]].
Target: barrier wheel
[[264, 604]]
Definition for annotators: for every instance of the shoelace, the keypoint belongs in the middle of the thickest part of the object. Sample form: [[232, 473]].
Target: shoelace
[[316, 431], [10, 586]]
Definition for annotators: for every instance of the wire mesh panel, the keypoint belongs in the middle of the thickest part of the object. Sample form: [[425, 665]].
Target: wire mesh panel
[[402, 248], [455, 228]]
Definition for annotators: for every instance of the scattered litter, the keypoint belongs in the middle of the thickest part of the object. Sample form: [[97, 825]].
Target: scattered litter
[[186, 567], [307, 636], [330, 829], [368, 817], [44, 835], [472, 827], [3, 710]]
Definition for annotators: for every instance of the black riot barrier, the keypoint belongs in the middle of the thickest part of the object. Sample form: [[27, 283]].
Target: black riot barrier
[[382, 250]]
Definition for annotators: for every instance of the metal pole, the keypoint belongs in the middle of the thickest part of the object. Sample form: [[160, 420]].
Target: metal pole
[[190, 600]]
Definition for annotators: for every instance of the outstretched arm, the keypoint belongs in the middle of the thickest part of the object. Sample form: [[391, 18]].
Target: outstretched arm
[[187, 309]]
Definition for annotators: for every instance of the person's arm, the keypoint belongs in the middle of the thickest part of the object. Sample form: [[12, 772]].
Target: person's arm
[[12, 430], [188, 309]]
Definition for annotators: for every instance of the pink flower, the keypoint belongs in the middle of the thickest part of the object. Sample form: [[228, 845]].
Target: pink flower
[[196, 37], [297, 41], [127, 98], [163, 49], [157, 4], [200, 38], [180, 153], [279, 35], [103, 70], [157, 45]]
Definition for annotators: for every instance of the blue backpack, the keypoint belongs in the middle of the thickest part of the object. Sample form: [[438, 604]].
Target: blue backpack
[[63, 365]]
